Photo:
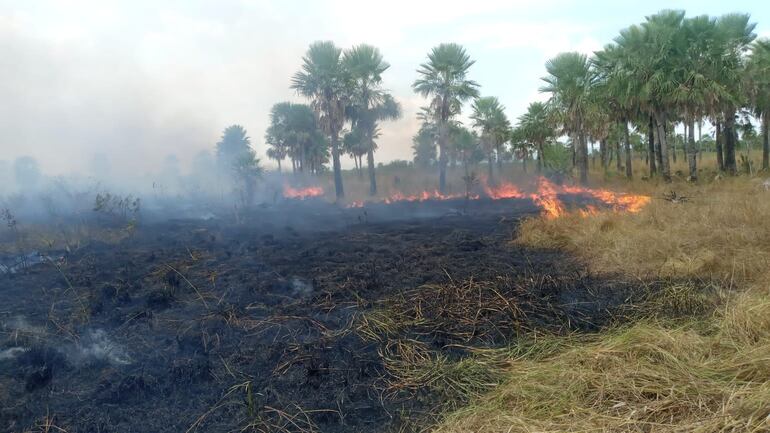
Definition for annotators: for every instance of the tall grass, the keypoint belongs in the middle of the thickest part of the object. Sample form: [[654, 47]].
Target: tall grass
[[708, 372]]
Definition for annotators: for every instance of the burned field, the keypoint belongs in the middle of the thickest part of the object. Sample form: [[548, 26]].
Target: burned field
[[301, 317]]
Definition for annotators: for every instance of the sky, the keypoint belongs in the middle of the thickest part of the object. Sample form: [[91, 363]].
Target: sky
[[135, 81]]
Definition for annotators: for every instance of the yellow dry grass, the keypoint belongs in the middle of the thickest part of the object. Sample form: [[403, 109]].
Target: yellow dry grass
[[721, 231], [708, 373]]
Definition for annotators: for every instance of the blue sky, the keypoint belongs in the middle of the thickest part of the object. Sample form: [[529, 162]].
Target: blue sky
[[143, 79]]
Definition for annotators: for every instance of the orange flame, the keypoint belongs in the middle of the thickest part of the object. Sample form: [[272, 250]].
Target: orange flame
[[617, 201], [503, 190], [546, 197], [302, 193], [422, 196]]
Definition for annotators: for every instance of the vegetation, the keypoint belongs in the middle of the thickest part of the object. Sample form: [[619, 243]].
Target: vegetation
[[236, 158], [294, 133], [495, 129], [443, 78], [323, 79], [694, 358]]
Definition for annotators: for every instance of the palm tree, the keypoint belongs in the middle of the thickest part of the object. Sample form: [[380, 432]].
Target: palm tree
[[369, 102], [234, 144], [354, 143], [444, 78], [535, 126], [324, 80], [759, 87], [734, 36], [293, 128], [569, 82], [615, 97], [489, 116]]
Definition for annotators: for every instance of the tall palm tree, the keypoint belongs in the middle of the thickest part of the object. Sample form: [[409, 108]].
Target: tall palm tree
[[370, 103], [759, 88], [655, 69], [324, 80], [735, 34], [698, 90], [569, 82], [615, 96], [444, 79], [535, 126], [489, 117]]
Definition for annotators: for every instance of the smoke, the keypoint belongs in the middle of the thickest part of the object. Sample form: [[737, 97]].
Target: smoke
[[94, 345]]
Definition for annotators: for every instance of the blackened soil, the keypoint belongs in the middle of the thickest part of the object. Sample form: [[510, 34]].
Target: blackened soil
[[214, 327]]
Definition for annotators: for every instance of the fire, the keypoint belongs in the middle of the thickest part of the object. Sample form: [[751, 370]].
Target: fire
[[545, 196], [302, 193], [503, 190], [422, 196], [617, 201]]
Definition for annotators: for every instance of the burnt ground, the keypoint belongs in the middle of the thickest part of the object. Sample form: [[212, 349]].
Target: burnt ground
[[211, 326]]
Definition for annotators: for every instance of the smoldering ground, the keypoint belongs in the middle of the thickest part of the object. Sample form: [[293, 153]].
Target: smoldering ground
[[268, 325]]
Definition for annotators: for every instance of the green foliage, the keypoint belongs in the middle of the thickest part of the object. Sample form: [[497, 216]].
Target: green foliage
[[490, 119], [294, 133], [558, 158], [424, 146]]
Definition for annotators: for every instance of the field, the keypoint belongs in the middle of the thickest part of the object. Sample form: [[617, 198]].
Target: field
[[456, 315]]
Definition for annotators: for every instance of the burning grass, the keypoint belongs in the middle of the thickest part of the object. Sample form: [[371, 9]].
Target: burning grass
[[719, 232]]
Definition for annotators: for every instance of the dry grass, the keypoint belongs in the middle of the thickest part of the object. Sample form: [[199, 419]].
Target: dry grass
[[642, 378], [720, 232], [710, 373]]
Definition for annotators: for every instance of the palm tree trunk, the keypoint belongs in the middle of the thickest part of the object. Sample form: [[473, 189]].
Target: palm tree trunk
[[603, 153], [491, 173], [618, 165], [665, 168], [583, 158], [700, 137], [499, 156], [720, 154], [338, 188], [629, 171], [539, 158], [279, 166], [372, 177], [673, 147], [729, 134], [651, 147], [524, 160], [442, 158], [684, 142], [692, 152], [765, 142]]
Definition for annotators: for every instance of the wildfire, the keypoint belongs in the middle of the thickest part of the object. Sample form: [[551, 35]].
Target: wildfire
[[503, 190], [302, 193], [545, 196], [618, 202], [423, 196], [548, 199]]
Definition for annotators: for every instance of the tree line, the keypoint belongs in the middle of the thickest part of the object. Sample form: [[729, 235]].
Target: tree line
[[667, 71], [345, 89]]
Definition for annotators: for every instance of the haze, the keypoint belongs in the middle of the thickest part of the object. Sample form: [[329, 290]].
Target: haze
[[135, 82]]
